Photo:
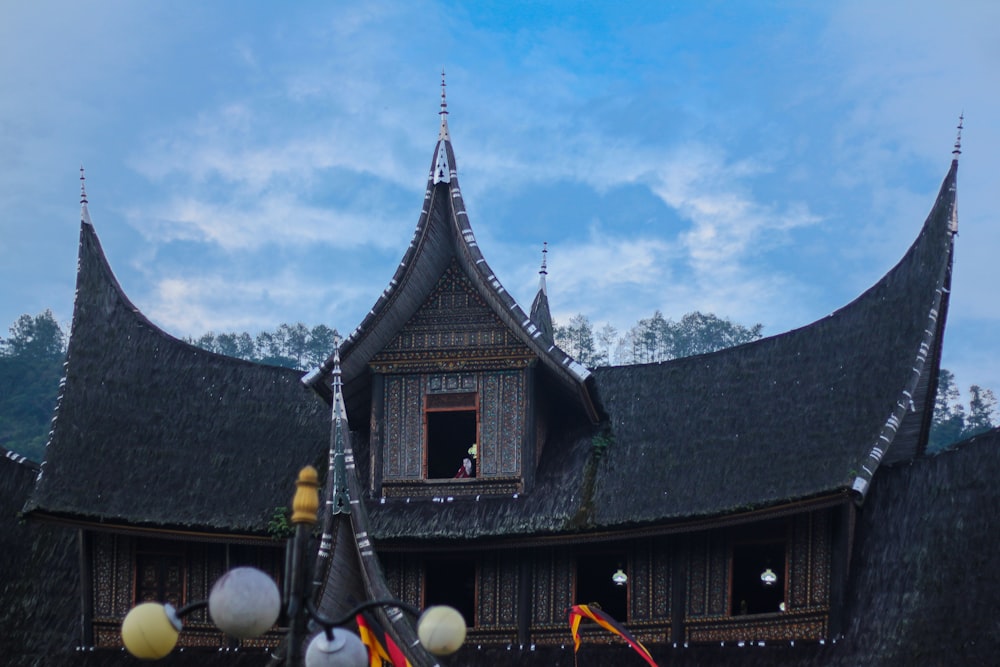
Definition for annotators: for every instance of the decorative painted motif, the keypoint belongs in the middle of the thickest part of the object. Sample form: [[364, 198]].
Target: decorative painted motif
[[662, 555], [453, 329], [697, 584], [821, 556], [718, 601], [784, 628]]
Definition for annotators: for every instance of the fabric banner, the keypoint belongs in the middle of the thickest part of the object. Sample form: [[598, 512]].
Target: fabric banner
[[581, 611], [381, 648]]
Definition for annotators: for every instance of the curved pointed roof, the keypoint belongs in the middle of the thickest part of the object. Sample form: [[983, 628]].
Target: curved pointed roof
[[151, 431], [788, 420], [443, 234]]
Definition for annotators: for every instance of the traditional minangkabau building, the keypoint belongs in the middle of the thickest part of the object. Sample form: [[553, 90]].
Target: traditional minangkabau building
[[485, 468]]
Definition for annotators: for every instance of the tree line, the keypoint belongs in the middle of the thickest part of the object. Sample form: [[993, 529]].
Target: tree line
[[290, 345], [32, 357], [652, 339]]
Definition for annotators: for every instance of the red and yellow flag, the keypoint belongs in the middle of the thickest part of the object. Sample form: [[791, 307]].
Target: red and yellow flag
[[381, 648], [581, 611]]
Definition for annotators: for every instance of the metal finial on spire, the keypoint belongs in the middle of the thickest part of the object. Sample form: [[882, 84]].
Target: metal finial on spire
[[83, 186], [444, 111], [542, 288], [958, 139], [84, 213]]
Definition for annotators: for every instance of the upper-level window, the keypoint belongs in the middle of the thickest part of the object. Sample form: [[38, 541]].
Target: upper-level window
[[595, 582], [451, 581], [758, 578], [451, 433]]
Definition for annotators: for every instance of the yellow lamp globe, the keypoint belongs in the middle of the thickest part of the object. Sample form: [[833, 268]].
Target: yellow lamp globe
[[441, 630], [150, 630]]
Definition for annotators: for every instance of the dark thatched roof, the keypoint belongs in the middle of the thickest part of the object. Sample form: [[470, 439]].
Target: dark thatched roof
[[443, 235], [152, 431], [788, 418], [39, 582], [925, 577], [923, 587]]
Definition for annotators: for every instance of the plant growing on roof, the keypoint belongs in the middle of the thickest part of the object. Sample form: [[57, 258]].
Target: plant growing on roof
[[280, 525]]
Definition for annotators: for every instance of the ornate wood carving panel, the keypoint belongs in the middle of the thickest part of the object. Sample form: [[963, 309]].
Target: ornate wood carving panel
[[403, 432], [487, 585], [663, 556], [820, 558], [454, 329], [697, 576], [542, 585]]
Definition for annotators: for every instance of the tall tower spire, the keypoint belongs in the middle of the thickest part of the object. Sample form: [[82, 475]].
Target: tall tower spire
[[84, 213]]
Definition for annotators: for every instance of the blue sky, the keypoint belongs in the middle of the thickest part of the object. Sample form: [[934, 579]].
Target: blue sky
[[252, 164]]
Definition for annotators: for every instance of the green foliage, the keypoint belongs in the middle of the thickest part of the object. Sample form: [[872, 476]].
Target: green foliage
[[31, 362], [577, 339], [602, 442], [280, 526], [290, 345], [952, 422]]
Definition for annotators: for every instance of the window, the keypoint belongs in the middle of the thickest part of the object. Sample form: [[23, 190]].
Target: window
[[160, 573], [758, 578], [594, 583], [452, 581], [452, 427]]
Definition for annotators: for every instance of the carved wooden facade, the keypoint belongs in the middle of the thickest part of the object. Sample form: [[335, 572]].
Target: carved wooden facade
[[681, 588], [126, 570], [454, 363]]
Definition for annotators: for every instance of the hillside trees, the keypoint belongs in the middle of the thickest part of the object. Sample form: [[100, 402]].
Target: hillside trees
[[31, 360], [951, 421], [652, 339]]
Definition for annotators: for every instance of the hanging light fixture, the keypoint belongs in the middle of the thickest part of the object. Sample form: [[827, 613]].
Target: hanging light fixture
[[619, 577], [768, 577]]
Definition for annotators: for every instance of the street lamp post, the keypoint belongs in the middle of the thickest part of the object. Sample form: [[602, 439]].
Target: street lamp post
[[245, 603]]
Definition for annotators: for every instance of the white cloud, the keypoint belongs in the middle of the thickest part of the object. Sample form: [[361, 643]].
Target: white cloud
[[269, 220]]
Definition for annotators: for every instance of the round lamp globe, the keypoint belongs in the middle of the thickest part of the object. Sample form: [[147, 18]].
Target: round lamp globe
[[441, 629], [244, 602], [150, 630]]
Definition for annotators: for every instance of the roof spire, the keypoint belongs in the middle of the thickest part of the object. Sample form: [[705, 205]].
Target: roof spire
[[958, 139], [543, 272], [340, 502], [84, 213], [443, 135], [540, 314], [442, 170]]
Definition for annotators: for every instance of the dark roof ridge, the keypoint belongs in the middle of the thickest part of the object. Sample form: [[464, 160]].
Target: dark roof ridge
[[169, 413], [931, 339], [19, 459]]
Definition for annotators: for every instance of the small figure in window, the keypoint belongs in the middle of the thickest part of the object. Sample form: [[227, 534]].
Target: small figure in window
[[465, 470]]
